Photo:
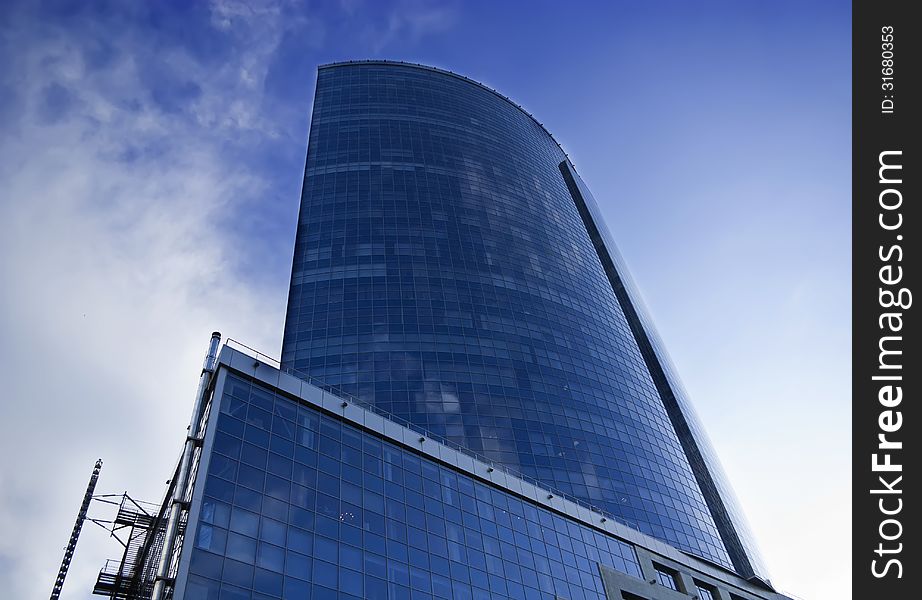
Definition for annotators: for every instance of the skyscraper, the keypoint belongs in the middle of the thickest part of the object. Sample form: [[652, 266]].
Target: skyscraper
[[470, 403]]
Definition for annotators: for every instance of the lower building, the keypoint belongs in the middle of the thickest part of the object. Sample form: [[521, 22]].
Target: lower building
[[290, 490]]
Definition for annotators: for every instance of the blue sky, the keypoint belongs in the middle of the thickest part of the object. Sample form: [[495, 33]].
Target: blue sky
[[151, 157]]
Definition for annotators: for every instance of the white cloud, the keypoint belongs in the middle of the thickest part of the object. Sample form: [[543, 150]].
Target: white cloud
[[409, 21], [115, 273]]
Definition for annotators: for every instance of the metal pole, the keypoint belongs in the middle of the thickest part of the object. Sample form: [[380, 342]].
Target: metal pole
[[179, 489], [75, 535]]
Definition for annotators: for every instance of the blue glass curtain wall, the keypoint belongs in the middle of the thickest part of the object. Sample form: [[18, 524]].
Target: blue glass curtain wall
[[443, 273], [298, 505]]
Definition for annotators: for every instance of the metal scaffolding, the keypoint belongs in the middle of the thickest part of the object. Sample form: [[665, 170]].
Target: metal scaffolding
[[138, 527], [153, 535]]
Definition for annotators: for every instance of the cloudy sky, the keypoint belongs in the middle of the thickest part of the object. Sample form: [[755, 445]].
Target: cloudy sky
[[151, 156]]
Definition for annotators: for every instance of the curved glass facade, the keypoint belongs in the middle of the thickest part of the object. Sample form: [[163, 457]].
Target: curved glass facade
[[443, 273]]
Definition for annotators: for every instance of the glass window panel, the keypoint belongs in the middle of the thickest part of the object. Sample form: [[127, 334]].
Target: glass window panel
[[241, 548], [270, 557]]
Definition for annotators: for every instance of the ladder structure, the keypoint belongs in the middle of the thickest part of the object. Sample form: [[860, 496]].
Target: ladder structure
[[75, 534]]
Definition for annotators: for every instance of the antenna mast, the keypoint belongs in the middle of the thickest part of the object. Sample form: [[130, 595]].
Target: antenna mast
[[75, 535]]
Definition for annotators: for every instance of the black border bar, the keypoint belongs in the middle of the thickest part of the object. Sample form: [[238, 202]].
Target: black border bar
[[886, 368]]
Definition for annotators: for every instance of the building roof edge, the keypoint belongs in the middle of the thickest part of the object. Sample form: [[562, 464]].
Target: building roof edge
[[400, 63]]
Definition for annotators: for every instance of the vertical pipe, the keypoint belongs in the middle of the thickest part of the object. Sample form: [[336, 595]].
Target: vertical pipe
[[179, 488], [75, 534]]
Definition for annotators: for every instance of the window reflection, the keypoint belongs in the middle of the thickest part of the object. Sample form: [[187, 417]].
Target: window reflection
[[369, 544]]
